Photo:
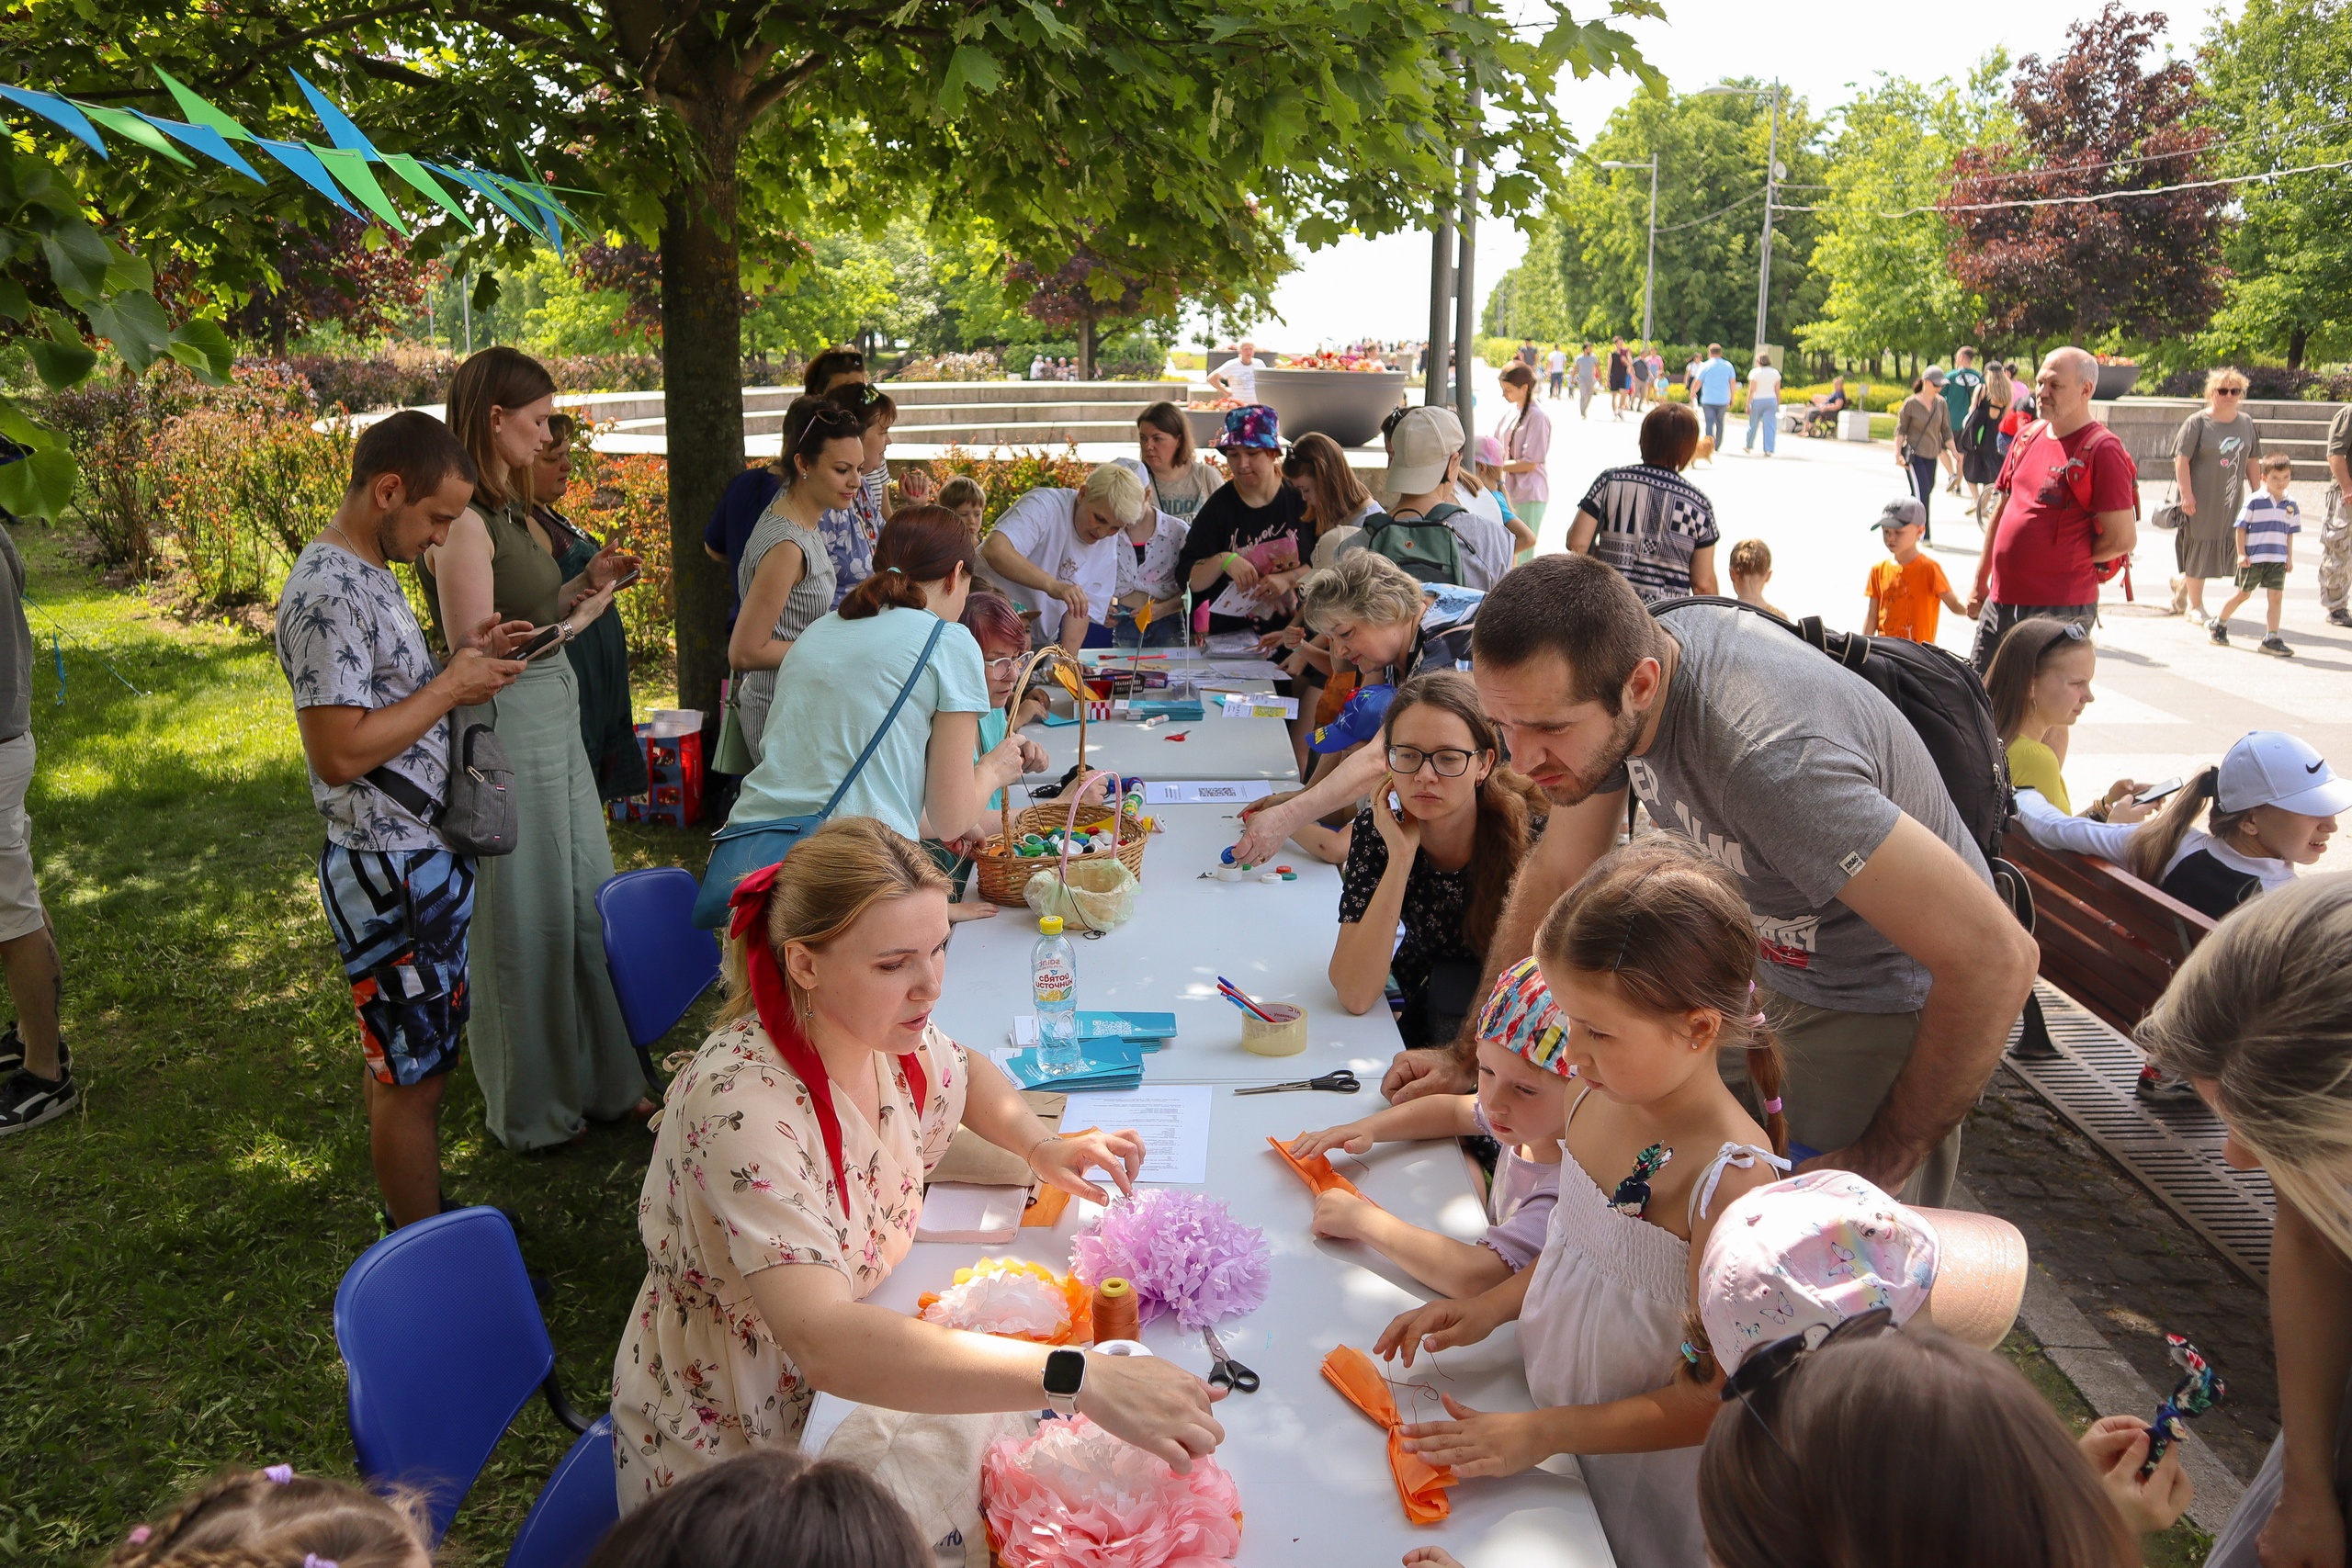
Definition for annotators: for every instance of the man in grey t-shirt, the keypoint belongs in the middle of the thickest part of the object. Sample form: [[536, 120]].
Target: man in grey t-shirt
[[1889, 969]]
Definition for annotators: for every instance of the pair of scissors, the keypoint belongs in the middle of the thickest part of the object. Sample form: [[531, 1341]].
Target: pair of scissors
[[1342, 1081], [1224, 1370]]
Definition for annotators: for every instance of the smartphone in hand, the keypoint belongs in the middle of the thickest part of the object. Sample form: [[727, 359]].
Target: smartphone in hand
[[542, 641], [2156, 792]]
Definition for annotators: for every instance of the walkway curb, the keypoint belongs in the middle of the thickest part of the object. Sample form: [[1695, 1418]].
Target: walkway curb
[[2108, 1382]]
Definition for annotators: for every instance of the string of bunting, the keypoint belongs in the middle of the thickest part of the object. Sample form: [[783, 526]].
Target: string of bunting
[[339, 171]]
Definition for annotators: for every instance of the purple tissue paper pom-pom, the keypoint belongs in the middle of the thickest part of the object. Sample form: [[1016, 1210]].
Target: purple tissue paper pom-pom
[[1184, 1253]]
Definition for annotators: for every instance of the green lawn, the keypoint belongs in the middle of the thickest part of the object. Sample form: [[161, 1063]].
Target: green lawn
[[169, 1256]]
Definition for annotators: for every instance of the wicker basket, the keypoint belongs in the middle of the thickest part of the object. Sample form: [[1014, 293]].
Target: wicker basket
[[1003, 874]]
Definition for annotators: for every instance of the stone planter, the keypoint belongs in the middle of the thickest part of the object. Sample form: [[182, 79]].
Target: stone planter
[[1207, 424], [1346, 405], [2114, 381]]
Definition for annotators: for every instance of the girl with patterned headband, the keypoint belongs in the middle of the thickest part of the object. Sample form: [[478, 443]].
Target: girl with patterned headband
[[1523, 1076]]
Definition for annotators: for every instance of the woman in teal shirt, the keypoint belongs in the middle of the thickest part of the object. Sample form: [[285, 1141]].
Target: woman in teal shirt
[[847, 669]]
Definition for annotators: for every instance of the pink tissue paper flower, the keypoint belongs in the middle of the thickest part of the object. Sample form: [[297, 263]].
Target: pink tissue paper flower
[[1075, 1497], [1184, 1253]]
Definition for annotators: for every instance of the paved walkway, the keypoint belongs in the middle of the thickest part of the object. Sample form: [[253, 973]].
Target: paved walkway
[[2168, 701]]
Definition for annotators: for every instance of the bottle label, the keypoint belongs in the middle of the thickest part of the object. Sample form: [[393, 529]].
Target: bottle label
[[1052, 981]]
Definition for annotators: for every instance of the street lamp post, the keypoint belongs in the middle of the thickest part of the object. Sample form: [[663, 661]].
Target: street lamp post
[[1649, 271], [1772, 193]]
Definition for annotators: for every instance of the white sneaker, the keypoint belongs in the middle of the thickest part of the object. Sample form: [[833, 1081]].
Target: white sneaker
[[2196, 617]]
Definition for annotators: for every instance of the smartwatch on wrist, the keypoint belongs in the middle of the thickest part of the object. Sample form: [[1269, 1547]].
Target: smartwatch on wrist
[[1065, 1375]]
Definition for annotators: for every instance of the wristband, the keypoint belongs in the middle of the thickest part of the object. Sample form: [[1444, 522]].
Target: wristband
[[1226, 559]]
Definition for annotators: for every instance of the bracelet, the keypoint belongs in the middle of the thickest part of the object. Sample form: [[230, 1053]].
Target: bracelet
[[1228, 557], [1030, 1159]]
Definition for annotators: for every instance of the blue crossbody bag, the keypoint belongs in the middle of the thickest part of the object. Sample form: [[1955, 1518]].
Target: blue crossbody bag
[[742, 848]]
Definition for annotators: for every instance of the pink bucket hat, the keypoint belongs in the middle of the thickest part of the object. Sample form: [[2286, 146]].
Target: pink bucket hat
[[1828, 1246], [1521, 1018]]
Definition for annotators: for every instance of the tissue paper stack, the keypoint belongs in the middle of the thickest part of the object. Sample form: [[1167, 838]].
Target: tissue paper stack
[[1013, 1299], [1075, 1497]]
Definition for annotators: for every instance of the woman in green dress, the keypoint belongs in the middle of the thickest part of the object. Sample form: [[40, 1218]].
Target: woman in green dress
[[599, 655], [548, 1045]]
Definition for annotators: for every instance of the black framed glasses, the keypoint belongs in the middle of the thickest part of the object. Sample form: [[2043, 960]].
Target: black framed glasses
[[1451, 761], [1763, 1369]]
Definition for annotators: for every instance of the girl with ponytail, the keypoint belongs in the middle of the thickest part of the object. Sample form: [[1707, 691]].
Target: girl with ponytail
[[1650, 961], [841, 690]]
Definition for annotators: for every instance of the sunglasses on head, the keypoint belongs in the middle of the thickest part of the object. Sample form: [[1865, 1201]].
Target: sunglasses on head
[[1765, 1369]]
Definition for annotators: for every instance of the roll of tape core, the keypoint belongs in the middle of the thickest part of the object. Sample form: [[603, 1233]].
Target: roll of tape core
[[1285, 1037]]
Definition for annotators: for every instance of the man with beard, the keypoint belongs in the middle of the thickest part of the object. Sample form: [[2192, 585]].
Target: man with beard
[[1886, 964]]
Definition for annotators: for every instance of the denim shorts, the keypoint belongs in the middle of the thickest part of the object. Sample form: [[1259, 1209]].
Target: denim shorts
[[399, 918]]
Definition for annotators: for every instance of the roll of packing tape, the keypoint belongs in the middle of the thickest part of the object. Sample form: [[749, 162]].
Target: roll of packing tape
[[1121, 1347], [1285, 1037]]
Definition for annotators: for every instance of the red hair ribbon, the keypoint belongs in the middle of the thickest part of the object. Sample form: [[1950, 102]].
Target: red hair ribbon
[[772, 998]]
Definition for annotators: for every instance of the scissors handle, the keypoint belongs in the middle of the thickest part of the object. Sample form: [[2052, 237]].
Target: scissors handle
[[1235, 1376], [1340, 1081]]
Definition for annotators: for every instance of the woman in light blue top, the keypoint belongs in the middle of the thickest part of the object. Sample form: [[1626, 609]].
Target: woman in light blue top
[[846, 671]]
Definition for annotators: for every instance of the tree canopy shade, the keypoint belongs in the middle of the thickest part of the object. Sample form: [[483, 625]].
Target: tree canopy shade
[[2094, 122], [1585, 258], [2281, 76], [1888, 286], [704, 127]]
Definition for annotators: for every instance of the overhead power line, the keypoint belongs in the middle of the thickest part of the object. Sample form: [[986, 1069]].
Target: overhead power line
[[2083, 200]]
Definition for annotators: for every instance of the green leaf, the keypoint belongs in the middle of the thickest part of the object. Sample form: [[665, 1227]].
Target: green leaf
[[78, 258], [40, 485], [971, 66], [22, 428], [14, 304], [127, 270], [134, 323], [61, 358], [204, 348], [486, 290]]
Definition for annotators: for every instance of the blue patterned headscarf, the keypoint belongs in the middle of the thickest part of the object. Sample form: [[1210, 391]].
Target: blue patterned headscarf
[[1253, 426]]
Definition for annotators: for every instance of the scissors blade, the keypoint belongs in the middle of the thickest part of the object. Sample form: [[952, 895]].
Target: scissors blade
[[1273, 1088]]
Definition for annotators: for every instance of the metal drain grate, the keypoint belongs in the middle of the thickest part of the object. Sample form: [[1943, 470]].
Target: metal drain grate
[[2174, 1150]]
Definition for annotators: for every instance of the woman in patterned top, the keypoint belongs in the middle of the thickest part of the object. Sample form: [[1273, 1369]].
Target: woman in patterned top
[[786, 1182], [1438, 862], [1646, 519]]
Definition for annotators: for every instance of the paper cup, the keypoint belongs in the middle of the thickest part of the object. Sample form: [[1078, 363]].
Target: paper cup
[[1286, 1037]]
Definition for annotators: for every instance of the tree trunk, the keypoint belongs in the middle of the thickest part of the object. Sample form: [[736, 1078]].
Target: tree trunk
[[2298, 339], [1089, 335], [702, 309]]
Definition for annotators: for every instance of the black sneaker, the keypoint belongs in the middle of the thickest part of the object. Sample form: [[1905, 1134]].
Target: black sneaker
[[2277, 647], [2340, 618], [2219, 632], [12, 1053], [28, 1101]]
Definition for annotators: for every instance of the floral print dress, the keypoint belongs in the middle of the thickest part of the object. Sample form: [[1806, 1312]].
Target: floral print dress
[[739, 1182]]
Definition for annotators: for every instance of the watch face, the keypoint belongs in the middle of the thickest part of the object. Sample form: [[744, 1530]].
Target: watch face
[[1065, 1370]]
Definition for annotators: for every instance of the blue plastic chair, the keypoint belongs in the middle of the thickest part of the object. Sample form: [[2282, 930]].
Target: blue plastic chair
[[575, 1508], [444, 1346], [661, 964]]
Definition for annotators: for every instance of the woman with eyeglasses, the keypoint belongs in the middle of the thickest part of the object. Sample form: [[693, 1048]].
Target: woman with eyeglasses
[[2215, 464], [599, 655], [1438, 861], [787, 577]]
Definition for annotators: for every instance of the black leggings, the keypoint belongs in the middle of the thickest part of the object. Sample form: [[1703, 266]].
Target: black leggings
[[1923, 485]]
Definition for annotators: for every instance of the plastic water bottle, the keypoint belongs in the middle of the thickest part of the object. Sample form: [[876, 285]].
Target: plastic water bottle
[[1053, 980]]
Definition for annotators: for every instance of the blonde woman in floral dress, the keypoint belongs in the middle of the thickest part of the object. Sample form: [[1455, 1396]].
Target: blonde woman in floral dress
[[786, 1183]]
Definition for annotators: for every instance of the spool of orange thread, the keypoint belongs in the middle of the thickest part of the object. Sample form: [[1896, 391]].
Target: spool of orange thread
[[1116, 1312]]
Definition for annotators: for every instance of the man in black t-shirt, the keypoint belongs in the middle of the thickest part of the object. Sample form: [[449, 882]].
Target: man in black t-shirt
[[1248, 548]]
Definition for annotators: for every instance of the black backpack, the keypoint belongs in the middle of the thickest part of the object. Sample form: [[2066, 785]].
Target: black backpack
[[1427, 546], [1939, 695]]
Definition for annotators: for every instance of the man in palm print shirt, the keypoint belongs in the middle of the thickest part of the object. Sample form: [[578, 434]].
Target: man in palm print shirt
[[370, 705]]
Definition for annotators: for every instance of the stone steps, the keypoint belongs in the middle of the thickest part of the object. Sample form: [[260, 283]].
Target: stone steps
[[2148, 426], [974, 414]]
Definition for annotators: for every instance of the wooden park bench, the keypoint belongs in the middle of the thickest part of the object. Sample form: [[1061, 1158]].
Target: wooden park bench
[[2108, 939]]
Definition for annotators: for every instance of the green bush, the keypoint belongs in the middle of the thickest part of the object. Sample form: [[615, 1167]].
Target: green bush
[[628, 506], [1008, 478], [240, 491], [1498, 351], [1878, 395]]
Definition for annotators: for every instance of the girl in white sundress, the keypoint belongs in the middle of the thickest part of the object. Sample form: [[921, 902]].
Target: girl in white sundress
[[1650, 960]]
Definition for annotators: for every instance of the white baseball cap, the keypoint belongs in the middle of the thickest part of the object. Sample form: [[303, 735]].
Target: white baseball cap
[[2269, 767], [1418, 447]]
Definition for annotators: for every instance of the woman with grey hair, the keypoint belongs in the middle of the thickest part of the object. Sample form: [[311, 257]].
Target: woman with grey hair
[[1055, 551]]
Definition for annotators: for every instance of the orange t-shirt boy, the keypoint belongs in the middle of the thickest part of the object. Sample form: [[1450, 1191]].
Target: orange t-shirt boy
[[1907, 593]]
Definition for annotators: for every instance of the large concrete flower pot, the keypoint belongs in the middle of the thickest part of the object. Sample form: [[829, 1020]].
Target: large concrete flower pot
[[1208, 424], [2114, 381], [1346, 405]]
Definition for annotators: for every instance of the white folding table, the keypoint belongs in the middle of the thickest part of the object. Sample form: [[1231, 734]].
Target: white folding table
[[1212, 748]]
